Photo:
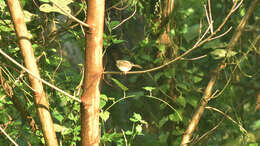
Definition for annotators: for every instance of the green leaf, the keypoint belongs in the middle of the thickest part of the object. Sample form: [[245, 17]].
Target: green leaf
[[181, 100], [242, 12], [139, 128], [113, 24], [183, 49], [183, 86], [170, 73], [172, 32], [197, 79], [256, 125], [163, 137], [149, 88], [59, 128], [221, 53], [163, 121], [128, 132], [253, 144], [136, 117], [104, 115], [174, 117], [28, 16], [158, 75], [178, 131], [57, 115], [192, 101], [47, 8], [116, 41], [53, 50], [72, 117], [161, 48], [123, 87], [47, 61], [103, 100], [102, 103]]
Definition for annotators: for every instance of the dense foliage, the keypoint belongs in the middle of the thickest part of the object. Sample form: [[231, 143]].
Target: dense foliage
[[152, 108]]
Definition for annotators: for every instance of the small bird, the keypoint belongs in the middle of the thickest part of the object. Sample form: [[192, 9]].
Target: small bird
[[125, 66]]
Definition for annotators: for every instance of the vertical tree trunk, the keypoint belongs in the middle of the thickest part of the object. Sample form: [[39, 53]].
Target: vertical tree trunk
[[90, 133], [30, 62]]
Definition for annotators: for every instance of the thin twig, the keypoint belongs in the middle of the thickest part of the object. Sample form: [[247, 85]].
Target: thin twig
[[210, 17], [221, 34], [238, 5], [124, 137], [207, 16], [35, 76], [115, 5], [125, 19], [58, 66], [210, 131], [8, 136], [228, 117], [202, 37], [206, 13], [69, 15], [120, 9], [195, 58]]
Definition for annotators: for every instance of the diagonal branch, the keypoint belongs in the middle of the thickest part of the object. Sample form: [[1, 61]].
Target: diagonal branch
[[197, 115], [40, 99], [207, 94]]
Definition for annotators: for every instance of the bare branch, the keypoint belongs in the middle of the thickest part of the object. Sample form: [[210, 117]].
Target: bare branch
[[210, 131], [206, 13], [195, 58], [210, 16], [221, 34], [238, 5], [228, 117], [124, 137], [8, 136]]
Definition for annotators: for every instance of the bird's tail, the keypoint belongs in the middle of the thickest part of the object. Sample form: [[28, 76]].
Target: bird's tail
[[137, 66]]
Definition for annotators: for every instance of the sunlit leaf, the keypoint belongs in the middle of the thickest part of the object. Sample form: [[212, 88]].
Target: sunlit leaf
[[221, 53], [136, 117], [47, 8], [116, 41], [59, 128], [197, 79], [104, 115], [149, 88], [139, 129], [123, 87]]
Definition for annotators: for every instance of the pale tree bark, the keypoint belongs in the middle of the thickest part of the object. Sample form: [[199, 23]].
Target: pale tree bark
[[40, 98], [90, 132]]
